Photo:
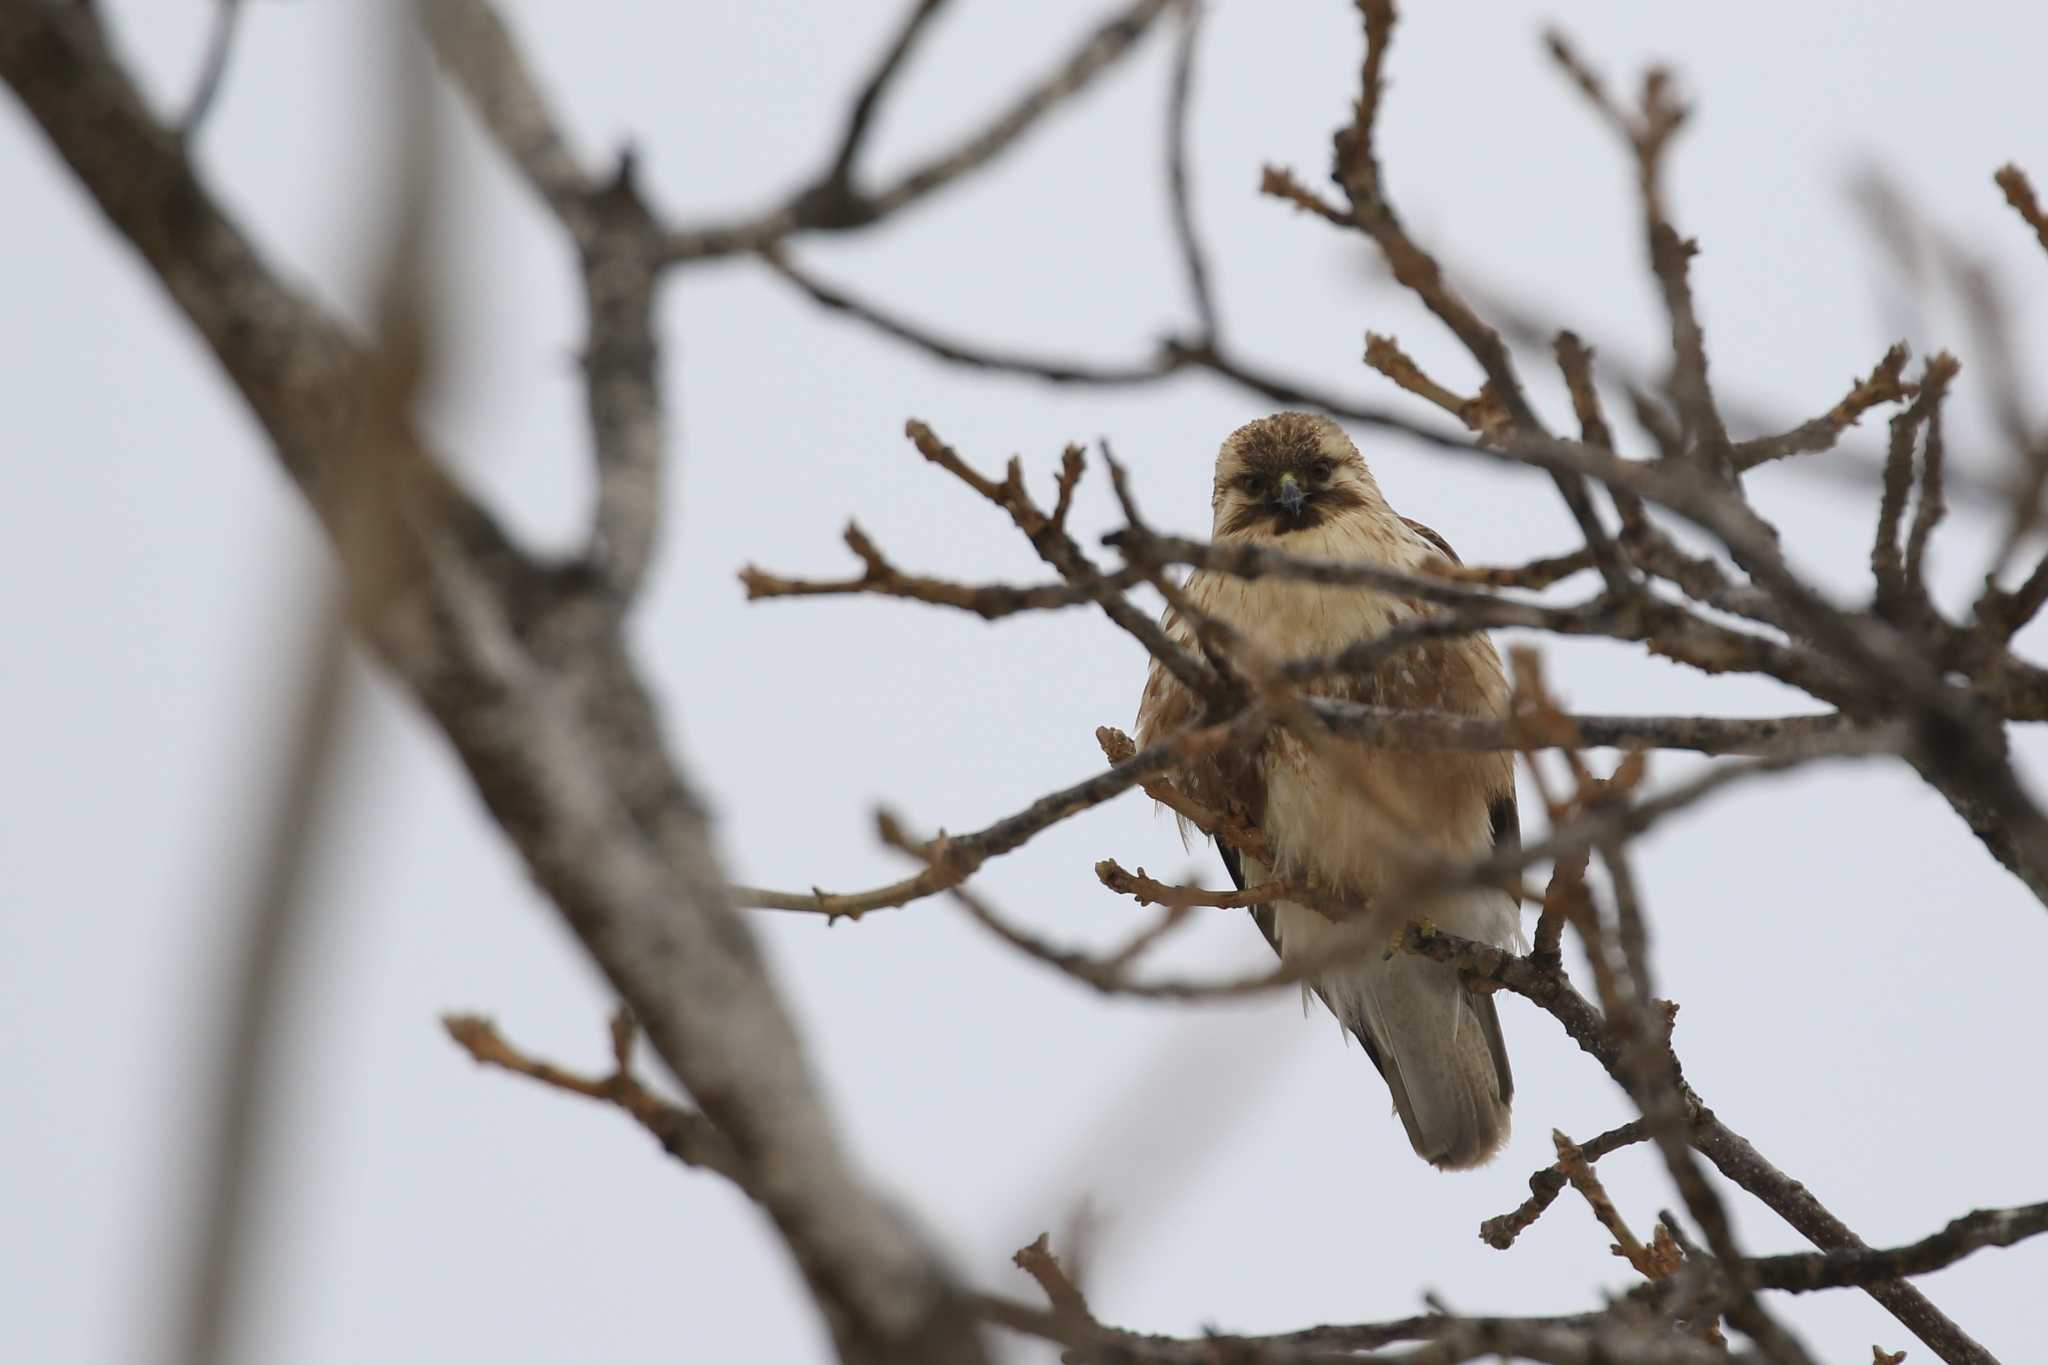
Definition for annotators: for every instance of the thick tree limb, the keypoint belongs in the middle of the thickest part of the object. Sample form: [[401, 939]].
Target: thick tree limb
[[616, 239], [531, 684]]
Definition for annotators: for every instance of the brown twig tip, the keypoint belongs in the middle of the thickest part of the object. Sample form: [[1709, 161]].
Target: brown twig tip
[[858, 542], [1278, 182], [1147, 890], [1898, 589], [1575, 362], [1037, 1261], [1656, 1261], [1885, 384], [1120, 485], [1484, 414], [1073, 463], [945, 457], [2020, 194], [688, 1136], [624, 1032], [1880, 1356], [1583, 76], [1545, 1185], [1117, 746], [1534, 720], [478, 1036]]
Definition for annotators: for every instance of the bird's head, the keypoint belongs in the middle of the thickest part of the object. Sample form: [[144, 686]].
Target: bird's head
[[1289, 472]]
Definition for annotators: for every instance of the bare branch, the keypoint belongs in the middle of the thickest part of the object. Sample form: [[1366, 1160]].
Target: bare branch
[[1194, 259], [1655, 1262], [1483, 415], [1731, 1154], [227, 21], [990, 601], [484, 61], [2020, 194], [268, 937], [616, 239], [1649, 131], [1545, 1185], [1058, 549], [1805, 736], [1053, 370], [1533, 576], [1280, 183], [1149, 891], [532, 685], [1623, 1332], [1358, 173], [1221, 825], [853, 141], [1843, 1269], [1895, 589], [684, 1134], [951, 859], [1884, 384], [1037, 1261], [829, 205]]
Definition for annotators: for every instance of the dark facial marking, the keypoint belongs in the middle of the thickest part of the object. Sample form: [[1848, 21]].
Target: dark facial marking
[[1318, 506]]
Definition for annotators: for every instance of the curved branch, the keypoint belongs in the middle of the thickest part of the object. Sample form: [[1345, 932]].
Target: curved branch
[[831, 203], [528, 676]]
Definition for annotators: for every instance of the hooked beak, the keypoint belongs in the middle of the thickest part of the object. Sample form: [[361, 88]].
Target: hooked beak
[[1290, 495]]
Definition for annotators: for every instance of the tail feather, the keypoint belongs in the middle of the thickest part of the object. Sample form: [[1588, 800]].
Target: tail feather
[[1438, 1046], [1441, 1052]]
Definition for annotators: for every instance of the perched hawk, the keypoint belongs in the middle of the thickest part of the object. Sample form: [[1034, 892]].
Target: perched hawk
[[1350, 821]]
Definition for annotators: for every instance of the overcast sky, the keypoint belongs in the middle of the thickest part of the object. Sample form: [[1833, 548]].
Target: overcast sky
[[1858, 978]]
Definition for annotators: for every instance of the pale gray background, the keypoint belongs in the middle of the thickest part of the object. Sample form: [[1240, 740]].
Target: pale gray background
[[1858, 978]]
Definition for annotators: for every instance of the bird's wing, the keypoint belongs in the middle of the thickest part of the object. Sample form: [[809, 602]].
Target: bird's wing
[[1433, 538], [1262, 915], [1507, 833], [1227, 782], [1505, 819]]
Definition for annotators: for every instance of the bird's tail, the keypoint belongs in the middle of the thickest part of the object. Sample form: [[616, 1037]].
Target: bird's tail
[[1438, 1045], [1440, 1049]]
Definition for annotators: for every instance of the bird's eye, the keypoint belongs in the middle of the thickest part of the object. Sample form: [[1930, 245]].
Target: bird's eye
[[1322, 470], [1253, 484]]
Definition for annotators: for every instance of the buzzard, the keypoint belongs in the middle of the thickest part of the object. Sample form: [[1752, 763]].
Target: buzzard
[[1349, 821]]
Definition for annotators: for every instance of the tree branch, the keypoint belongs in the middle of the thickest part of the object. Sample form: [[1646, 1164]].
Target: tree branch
[[833, 204], [530, 682], [1936, 1251]]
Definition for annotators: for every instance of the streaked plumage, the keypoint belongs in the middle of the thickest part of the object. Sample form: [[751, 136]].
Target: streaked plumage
[[1352, 825]]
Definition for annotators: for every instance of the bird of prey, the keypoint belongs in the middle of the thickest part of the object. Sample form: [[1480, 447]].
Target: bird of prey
[[1348, 820]]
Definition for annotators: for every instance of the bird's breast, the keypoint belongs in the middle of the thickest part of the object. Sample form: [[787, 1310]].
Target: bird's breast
[[1349, 818]]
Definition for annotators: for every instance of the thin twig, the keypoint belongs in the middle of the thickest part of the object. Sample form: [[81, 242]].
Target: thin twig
[[827, 205], [227, 21], [990, 601], [1545, 1185], [861, 115], [266, 945], [683, 1133], [1194, 258], [1884, 384], [2020, 194], [1842, 1269]]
